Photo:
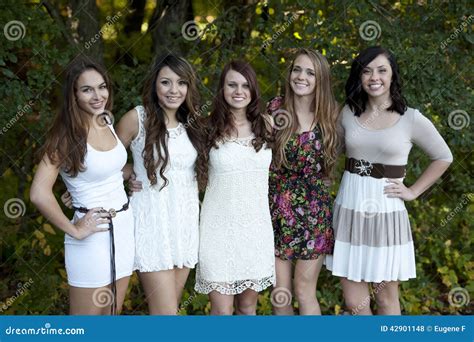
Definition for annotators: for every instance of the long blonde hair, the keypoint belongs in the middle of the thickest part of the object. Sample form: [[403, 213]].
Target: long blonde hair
[[324, 106]]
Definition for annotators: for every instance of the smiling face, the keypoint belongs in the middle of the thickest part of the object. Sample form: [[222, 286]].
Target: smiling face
[[376, 78], [236, 91], [302, 76], [171, 89], [91, 92]]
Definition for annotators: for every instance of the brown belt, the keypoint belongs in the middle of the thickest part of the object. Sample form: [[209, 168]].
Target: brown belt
[[365, 168]]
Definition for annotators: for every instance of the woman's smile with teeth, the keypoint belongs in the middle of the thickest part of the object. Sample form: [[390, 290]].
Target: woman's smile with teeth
[[97, 105], [375, 86]]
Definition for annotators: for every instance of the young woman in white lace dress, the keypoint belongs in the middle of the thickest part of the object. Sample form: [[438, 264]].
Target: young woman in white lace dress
[[167, 207], [236, 253]]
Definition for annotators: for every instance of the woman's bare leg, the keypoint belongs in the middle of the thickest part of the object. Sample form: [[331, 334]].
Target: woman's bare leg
[[281, 297], [160, 291], [306, 279], [356, 296], [246, 303], [387, 298], [96, 301]]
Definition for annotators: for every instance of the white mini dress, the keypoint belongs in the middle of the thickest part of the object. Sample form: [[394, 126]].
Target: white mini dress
[[100, 185], [166, 220]]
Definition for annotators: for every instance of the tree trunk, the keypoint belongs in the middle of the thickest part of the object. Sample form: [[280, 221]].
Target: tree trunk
[[133, 26], [85, 17], [166, 25]]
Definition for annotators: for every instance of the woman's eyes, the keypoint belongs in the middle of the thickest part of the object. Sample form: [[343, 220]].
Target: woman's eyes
[[368, 71], [180, 83], [297, 69]]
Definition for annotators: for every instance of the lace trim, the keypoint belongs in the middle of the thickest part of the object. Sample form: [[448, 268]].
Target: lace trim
[[247, 141], [173, 133], [141, 122], [234, 288]]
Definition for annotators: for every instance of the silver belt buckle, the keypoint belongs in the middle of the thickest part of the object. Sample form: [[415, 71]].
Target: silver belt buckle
[[363, 167], [112, 213]]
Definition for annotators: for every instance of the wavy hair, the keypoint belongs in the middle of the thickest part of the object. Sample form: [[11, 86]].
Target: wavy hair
[[156, 138], [66, 141], [324, 106], [357, 98], [220, 124]]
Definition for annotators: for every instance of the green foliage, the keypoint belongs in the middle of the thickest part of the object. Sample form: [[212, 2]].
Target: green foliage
[[432, 47]]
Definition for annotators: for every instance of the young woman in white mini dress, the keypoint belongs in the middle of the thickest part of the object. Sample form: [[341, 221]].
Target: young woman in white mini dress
[[89, 156], [165, 138]]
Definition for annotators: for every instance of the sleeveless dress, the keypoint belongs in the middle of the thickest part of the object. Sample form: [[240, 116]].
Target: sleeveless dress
[[166, 221], [100, 185], [373, 235], [300, 203], [236, 235]]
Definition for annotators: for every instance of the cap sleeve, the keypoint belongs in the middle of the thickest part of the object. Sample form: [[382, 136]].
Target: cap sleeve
[[426, 136]]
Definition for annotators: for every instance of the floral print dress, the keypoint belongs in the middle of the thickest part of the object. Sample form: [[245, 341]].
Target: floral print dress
[[300, 203]]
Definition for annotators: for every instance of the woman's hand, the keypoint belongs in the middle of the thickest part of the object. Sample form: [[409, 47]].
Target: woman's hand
[[397, 189], [134, 185], [67, 199], [87, 225]]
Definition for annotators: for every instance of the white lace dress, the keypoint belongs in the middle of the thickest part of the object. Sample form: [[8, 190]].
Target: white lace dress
[[166, 221], [236, 250]]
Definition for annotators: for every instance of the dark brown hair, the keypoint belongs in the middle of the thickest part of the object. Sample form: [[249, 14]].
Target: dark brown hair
[[66, 141], [155, 122], [357, 98]]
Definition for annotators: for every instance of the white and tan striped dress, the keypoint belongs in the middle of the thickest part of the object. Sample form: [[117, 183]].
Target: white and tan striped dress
[[373, 235]]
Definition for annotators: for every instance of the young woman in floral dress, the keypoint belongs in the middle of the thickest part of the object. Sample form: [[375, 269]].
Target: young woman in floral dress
[[304, 154]]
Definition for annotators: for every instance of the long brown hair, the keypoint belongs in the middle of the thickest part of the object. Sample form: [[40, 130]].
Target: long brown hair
[[66, 141], [325, 109], [220, 124], [155, 122]]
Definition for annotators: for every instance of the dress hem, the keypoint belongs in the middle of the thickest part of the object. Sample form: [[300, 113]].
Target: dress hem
[[205, 287]]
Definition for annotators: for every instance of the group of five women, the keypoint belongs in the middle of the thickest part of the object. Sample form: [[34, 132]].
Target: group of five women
[[267, 218]]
